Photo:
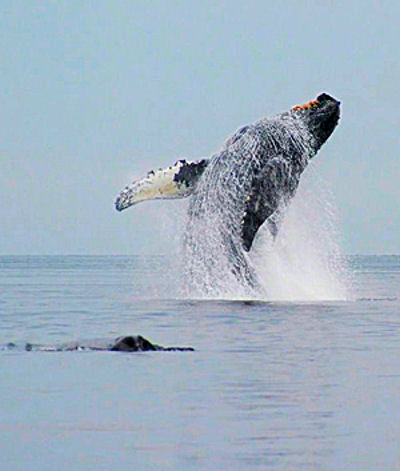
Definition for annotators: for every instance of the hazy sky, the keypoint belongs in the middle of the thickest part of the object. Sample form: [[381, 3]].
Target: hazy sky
[[95, 92]]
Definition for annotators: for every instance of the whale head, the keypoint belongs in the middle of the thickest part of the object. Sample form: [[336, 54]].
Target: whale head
[[320, 117]]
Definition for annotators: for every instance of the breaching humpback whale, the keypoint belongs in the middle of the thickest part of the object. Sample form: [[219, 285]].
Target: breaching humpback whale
[[248, 182]]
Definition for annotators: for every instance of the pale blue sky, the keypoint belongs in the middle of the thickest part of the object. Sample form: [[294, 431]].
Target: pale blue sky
[[94, 92]]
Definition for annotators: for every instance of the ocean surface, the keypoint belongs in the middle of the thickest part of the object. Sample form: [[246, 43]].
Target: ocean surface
[[270, 385]]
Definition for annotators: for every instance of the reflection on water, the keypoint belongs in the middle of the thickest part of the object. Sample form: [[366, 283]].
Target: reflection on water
[[270, 386]]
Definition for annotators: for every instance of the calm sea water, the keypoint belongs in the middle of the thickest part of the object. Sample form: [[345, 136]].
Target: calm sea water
[[277, 386]]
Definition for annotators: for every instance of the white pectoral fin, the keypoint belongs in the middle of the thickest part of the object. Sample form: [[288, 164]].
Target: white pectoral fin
[[177, 181]]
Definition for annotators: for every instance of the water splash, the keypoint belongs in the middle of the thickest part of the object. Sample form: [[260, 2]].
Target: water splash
[[304, 261], [215, 265]]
